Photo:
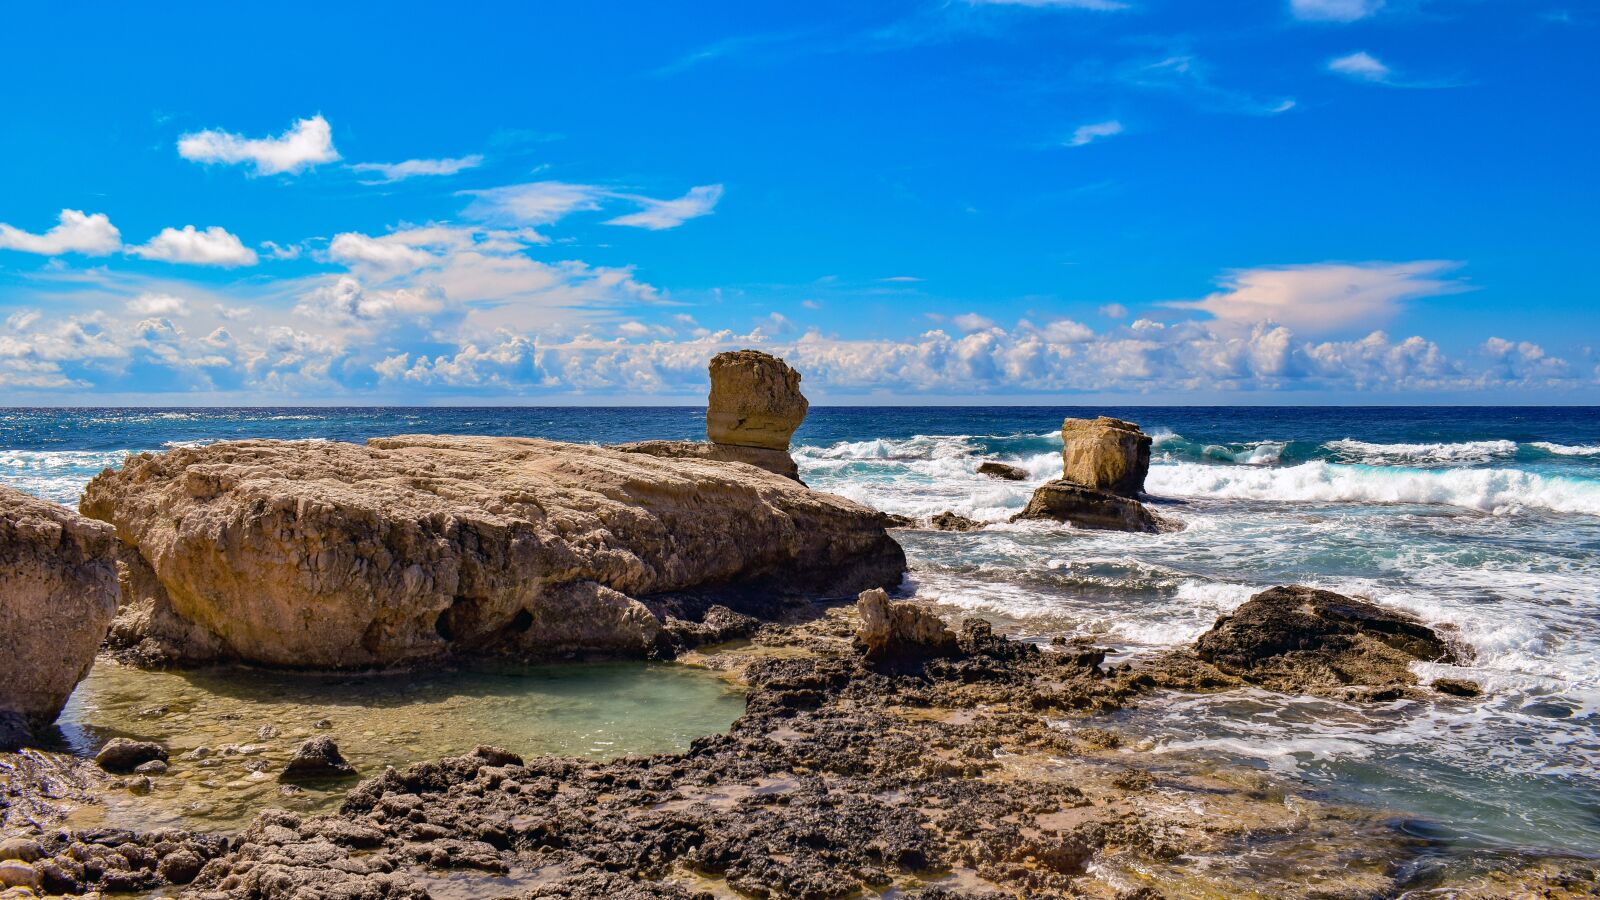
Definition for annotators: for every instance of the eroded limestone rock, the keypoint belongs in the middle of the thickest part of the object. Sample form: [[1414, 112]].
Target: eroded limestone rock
[[901, 629], [755, 400], [1105, 454], [58, 594], [1082, 507], [778, 462], [324, 554]]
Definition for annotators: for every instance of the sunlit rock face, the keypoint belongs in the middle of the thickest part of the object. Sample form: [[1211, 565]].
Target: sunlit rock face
[[1105, 454], [755, 400]]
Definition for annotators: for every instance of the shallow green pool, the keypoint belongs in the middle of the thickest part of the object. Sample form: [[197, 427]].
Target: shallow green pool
[[251, 721]]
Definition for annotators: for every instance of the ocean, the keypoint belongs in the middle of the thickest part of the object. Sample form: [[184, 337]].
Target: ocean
[[1483, 519]]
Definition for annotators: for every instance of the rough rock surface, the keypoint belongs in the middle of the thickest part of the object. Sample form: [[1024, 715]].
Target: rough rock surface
[[901, 629], [58, 595], [778, 462], [1305, 640], [1003, 471], [318, 757], [323, 554], [755, 400], [1067, 501], [1105, 454], [953, 521]]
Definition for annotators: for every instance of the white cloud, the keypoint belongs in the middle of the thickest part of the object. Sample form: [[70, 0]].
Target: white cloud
[[275, 250], [393, 251], [972, 322], [534, 203], [1361, 66], [307, 143], [91, 235], [1334, 10], [1088, 134], [662, 214], [1325, 296], [413, 168], [211, 247], [1114, 311], [158, 305]]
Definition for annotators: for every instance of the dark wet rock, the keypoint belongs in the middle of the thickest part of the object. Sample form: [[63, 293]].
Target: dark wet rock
[[1003, 471], [15, 733], [895, 520], [318, 757], [180, 866], [718, 625], [1301, 639], [901, 629], [1084, 507], [952, 521], [153, 767], [1457, 687], [124, 755]]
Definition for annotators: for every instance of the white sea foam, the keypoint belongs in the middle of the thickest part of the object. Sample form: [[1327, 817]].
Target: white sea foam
[[1255, 453], [1568, 449], [1497, 491], [58, 475], [1350, 450]]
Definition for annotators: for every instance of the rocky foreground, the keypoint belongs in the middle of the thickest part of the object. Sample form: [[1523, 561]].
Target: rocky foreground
[[880, 754]]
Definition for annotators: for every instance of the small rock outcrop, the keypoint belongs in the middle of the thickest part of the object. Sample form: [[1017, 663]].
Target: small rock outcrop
[[901, 630], [953, 521], [124, 755], [318, 757], [1003, 471], [1105, 454], [1084, 507], [1303, 640], [1104, 464], [58, 595], [755, 401], [778, 462], [334, 555]]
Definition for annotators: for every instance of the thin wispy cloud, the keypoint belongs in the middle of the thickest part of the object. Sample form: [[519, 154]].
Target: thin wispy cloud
[[414, 168], [307, 143], [1360, 66], [214, 246], [1188, 77], [1334, 10], [1085, 135], [90, 234], [659, 215], [547, 202], [1098, 5], [1325, 297]]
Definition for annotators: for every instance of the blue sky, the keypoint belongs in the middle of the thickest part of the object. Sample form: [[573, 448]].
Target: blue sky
[[1262, 201]]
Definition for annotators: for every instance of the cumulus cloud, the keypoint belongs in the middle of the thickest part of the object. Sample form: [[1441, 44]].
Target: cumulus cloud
[[158, 305], [1088, 134], [413, 168], [1325, 297], [212, 247], [307, 143], [1360, 66], [91, 235], [658, 215], [1334, 10]]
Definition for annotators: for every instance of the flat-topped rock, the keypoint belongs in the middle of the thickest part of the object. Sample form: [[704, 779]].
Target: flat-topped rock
[[1083, 507], [335, 555], [58, 595], [1105, 454], [755, 400], [779, 462]]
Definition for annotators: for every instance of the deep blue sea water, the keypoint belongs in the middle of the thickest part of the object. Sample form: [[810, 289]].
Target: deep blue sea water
[[1483, 519]]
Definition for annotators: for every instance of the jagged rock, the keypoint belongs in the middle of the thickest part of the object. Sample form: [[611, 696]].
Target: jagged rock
[[124, 755], [1304, 640], [719, 625], [58, 595], [334, 555], [1105, 454], [1082, 507], [952, 521], [778, 462], [15, 732], [901, 629], [755, 400], [1003, 471], [318, 757], [1457, 687]]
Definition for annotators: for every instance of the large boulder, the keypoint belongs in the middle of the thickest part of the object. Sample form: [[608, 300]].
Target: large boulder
[[1105, 454], [755, 400], [58, 595], [1082, 507], [324, 554], [778, 462], [1305, 640]]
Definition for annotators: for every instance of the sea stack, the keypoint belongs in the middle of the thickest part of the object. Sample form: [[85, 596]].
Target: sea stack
[[754, 408], [1104, 462], [58, 595]]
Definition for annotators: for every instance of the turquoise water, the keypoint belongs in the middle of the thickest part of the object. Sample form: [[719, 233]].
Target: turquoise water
[[1484, 519]]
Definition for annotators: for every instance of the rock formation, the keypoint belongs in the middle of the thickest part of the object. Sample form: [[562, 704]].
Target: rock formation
[[1104, 463], [755, 401], [318, 757], [1003, 471], [901, 629], [949, 520], [58, 594], [778, 462], [323, 554], [1304, 640]]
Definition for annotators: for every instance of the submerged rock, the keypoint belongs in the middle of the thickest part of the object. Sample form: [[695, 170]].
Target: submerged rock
[[58, 595], [755, 400], [901, 629], [1105, 454], [1082, 507], [952, 521], [317, 758], [1304, 640], [1003, 471], [325, 554], [1456, 687], [124, 755]]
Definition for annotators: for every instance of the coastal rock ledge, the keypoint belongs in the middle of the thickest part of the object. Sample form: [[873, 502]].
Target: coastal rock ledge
[[335, 555]]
